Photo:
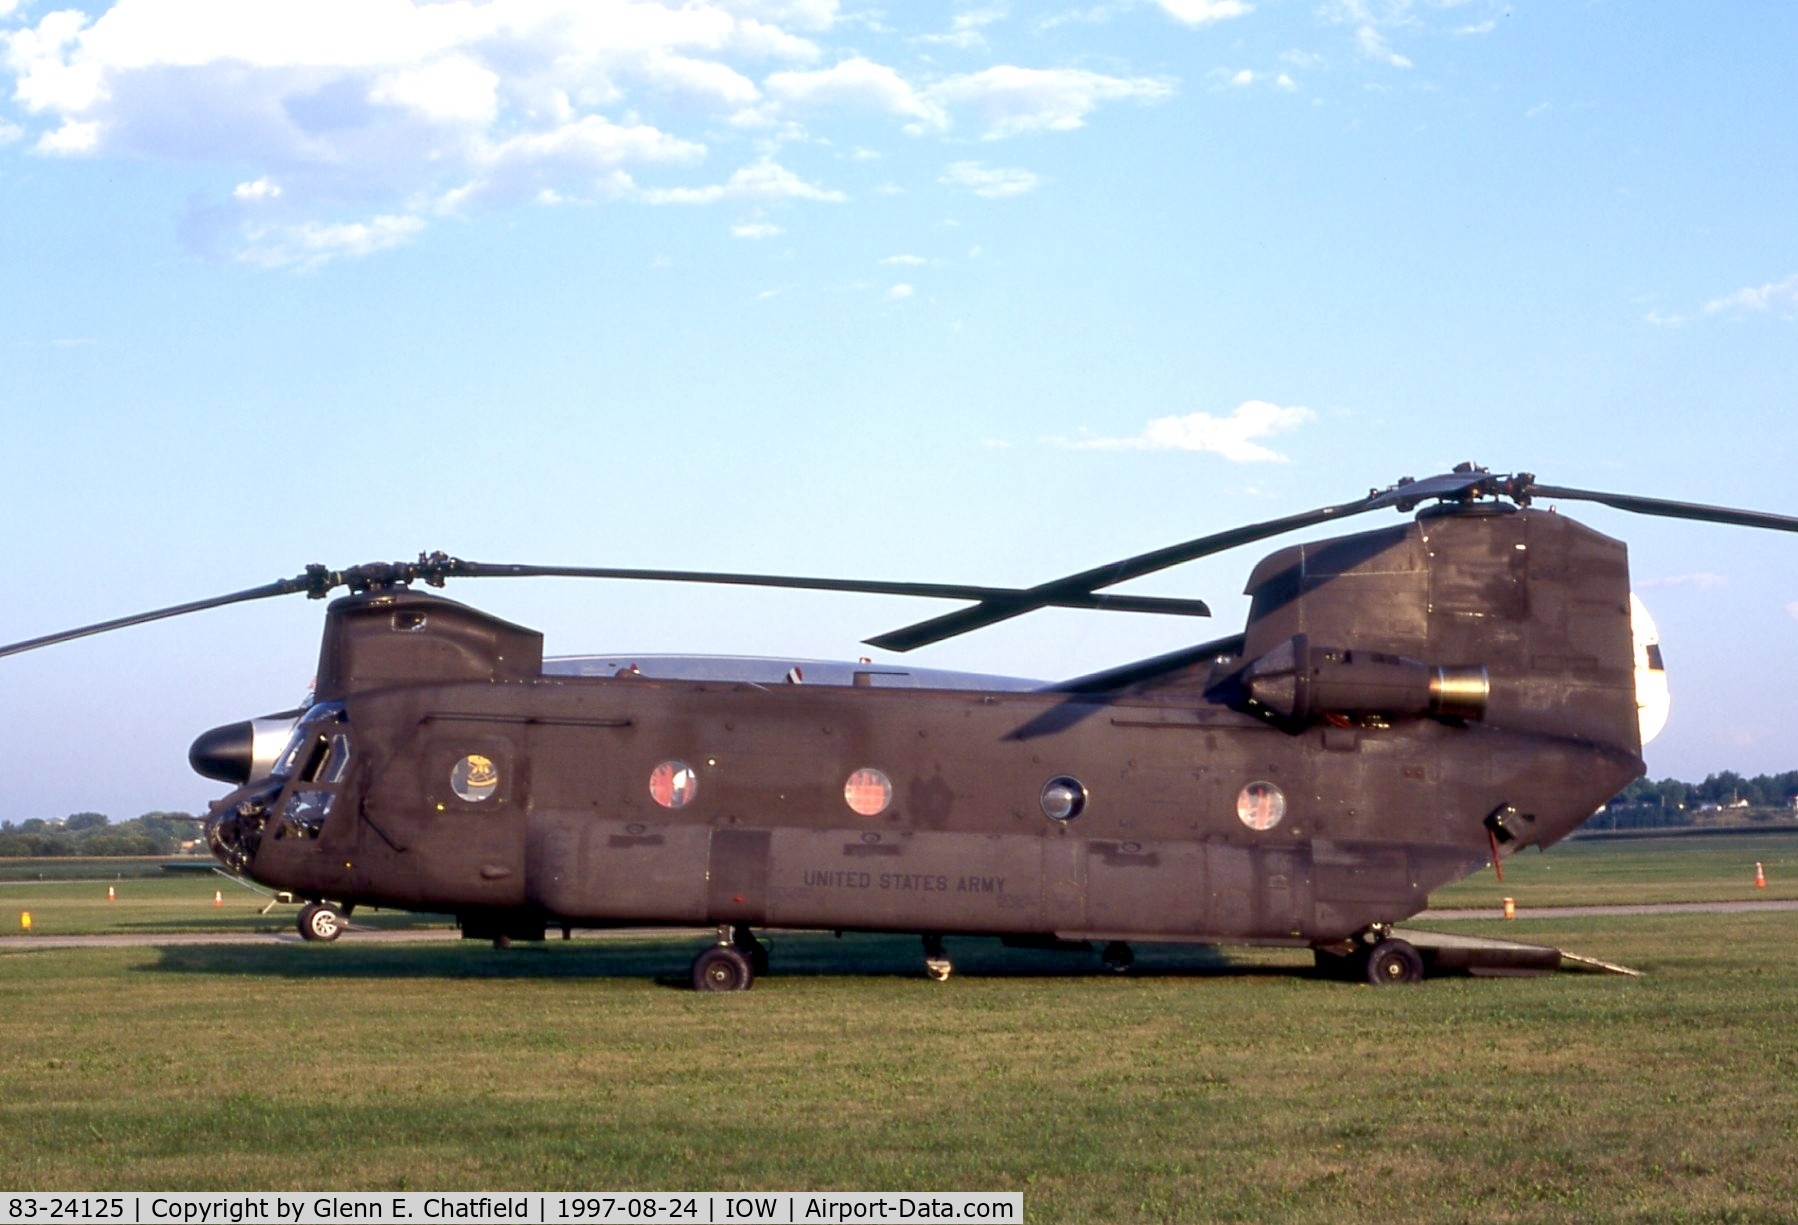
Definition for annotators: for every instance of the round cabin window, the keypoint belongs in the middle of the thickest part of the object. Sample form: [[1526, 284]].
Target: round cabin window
[[673, 784], [1063, 798], [474, 778], [868, 792], [1260, 805]]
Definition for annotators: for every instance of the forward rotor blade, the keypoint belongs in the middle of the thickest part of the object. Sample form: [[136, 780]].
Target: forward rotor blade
[[940, 591], [1061, 591], [285, 586], [1671, 510]]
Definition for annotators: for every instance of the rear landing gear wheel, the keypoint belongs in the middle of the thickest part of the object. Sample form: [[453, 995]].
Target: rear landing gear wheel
[[1117, 957], [1394, 961], [319, 921], [722, 968]]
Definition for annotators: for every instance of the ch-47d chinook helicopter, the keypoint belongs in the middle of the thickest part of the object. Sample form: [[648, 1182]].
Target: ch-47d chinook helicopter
[[1403, 707]]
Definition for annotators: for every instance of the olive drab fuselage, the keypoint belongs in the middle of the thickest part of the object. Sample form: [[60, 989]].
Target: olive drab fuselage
[[1403, 705]]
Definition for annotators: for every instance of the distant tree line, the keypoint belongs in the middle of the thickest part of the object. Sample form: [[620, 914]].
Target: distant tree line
[[93, 833], [1719, 799]]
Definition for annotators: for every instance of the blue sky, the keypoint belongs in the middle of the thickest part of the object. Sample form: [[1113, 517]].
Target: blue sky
[[978, 293]]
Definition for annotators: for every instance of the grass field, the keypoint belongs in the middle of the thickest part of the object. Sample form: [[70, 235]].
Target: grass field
[[1203, 1087], [161, 904], [1594, 871]]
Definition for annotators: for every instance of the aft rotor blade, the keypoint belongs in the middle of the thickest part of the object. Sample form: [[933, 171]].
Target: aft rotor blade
[[1671, 510], [286, 586], [1064, 591], [941, 591]]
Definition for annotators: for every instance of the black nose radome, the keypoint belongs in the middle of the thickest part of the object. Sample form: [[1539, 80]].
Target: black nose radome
[[224, 752]]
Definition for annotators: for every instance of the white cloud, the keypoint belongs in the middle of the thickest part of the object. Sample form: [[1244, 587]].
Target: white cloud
[[1232, 437], [964, 29], [992, 183], [312, 245], [764, 180], [328, 112], [1371, 43], [1204, 12], [755, 229], [905, 260], [1774, 296], [1008, 100], [899, 292], [451, 90], [264, 188], [377, 104], [855, 83], [73, 137]]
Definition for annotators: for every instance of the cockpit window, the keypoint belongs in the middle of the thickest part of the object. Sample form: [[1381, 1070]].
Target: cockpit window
[[319, 757], [306, 740]]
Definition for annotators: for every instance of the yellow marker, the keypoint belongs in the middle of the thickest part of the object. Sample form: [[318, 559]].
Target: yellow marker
[[25, 920], [1510, 908]]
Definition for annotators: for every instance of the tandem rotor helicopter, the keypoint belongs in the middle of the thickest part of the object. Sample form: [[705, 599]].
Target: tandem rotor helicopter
[[1403, 707]]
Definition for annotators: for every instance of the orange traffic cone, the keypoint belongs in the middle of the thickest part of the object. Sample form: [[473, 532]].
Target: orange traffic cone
[[1760, 877], [110, 895], [218, 897]]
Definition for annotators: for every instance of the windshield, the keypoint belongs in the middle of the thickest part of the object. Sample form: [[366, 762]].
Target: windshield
[[307, 734]]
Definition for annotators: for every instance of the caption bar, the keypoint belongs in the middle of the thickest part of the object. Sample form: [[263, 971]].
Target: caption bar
[[534, 1208]]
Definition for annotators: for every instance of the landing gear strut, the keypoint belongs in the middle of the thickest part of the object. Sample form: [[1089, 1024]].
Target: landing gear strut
[[936, 959]]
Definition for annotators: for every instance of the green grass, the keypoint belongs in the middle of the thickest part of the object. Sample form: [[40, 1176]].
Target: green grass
[[1594, 871], [163, 904], [1203, 1088]]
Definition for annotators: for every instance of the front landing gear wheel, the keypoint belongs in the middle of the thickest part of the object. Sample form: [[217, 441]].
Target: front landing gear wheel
[[1394, 961], [722, 968], [319, 921]]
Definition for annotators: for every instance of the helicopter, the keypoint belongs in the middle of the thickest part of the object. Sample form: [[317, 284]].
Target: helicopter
[[1404, 706]]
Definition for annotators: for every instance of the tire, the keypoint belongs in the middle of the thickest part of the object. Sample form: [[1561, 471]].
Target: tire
[[722, 968], [1394, 961], [320, 922]]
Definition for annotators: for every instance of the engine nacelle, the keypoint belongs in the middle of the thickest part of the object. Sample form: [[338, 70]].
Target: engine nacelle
[[1301, 682]]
